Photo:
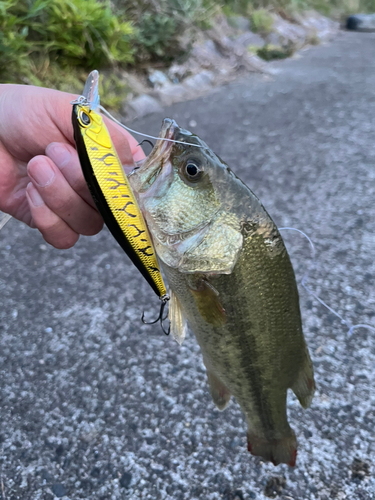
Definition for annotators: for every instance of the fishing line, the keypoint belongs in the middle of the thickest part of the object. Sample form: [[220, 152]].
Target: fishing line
[[313, 294], [108, 114]]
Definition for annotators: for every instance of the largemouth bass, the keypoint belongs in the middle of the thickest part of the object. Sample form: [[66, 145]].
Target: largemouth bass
[[232, 281]]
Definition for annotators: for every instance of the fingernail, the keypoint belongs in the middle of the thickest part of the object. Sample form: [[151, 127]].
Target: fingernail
[[58, 154], [42, 173], [34, 196]]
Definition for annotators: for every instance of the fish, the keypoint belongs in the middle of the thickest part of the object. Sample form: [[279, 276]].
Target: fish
[[109, 185], [231, 282]]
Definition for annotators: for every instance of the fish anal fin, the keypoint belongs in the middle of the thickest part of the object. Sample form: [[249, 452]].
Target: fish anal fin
[[208, 303], [220, 394], [277, 451], [304, 385], [177, 319]]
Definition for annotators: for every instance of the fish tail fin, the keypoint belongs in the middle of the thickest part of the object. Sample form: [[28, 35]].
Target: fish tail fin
[[304, 385], [277, 451], [220, 394]]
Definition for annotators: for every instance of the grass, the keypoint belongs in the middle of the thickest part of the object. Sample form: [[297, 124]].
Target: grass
[[261, 22], [56, 43]]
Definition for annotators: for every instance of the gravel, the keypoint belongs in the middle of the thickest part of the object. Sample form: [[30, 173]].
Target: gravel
[[96, 405]]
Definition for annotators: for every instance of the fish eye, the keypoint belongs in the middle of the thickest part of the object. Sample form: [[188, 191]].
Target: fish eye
[[193, 171], [84, 117]]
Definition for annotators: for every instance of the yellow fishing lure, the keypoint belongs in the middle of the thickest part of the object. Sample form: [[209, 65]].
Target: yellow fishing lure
[[110, 188]]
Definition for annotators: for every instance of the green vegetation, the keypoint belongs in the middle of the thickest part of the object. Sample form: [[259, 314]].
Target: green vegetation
[[261, 22], [270, 52], [158, 38], [56, 42]]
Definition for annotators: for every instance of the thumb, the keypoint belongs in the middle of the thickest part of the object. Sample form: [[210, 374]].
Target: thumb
[[126, 145]]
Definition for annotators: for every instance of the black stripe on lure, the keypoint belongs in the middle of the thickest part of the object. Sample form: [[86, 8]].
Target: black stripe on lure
[[111, 190]]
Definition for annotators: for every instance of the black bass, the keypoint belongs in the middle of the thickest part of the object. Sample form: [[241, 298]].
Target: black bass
[[232, 281], [109, 185]]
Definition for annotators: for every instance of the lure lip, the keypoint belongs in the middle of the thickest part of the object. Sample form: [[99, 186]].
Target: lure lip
[[91, 90], [90, 95]]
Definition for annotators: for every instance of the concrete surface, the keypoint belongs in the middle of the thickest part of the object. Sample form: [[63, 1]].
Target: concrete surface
[[94, 405]]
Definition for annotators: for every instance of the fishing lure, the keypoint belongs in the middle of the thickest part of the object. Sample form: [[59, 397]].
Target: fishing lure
[[110, 188]]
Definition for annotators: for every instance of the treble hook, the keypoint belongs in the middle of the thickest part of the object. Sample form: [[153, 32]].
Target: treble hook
[[160, 318], [145, 140]]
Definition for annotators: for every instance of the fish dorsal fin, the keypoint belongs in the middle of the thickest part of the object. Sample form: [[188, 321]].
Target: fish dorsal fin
[[218, 251], [177, 319]]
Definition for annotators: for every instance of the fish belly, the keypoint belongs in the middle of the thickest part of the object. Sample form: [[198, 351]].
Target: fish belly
[[260, 351]]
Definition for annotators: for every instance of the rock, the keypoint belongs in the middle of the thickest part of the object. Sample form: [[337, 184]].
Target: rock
[[178, 71], [250, 39], [274, 486], [220, 28], [46, 476], [236, 57], [317, 26], [207, 55], [158, 79], [227, 46], [58, 490], [361, 22], [288, 33], [360, 469], [273, 39], [125, 480], [60, 449], [239, 22], [219, 53], [199, 82], [143, 105], [171, 94], [134, 82], [95, 471], [254, 63], [190, 87]]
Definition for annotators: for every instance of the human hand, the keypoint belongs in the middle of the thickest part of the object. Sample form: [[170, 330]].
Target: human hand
[[41, 181]]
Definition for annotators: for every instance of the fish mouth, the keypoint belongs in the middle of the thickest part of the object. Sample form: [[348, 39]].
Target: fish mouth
[[168, 129], [157, 161], [165, 142]]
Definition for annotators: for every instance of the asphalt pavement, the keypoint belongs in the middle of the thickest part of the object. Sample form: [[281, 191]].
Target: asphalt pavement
[[96, 405]]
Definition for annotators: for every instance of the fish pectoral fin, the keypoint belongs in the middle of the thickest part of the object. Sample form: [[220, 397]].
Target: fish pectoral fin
[[208, 302], [220, 394], [177, 319], [304, 385]]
